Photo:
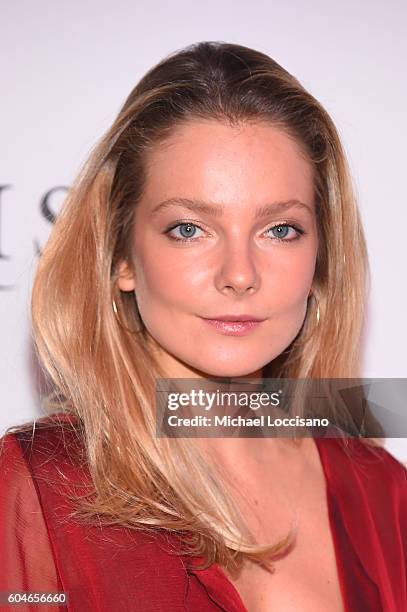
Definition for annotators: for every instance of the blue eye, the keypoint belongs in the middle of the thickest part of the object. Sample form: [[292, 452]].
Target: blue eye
[[282, 230], [188, 232]]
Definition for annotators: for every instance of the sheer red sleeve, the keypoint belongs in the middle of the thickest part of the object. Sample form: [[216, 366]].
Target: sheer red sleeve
[[27, 558]]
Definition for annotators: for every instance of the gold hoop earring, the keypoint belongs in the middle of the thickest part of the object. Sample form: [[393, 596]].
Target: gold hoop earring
[[302, 341], [117, 317], [318, 311]]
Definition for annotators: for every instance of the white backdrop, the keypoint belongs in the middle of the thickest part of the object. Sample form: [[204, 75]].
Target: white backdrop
[[67, 67]]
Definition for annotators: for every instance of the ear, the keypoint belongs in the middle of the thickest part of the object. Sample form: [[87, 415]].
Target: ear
[[126, 279]]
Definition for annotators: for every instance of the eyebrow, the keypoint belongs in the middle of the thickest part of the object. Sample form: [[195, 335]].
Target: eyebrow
[[216, 210]]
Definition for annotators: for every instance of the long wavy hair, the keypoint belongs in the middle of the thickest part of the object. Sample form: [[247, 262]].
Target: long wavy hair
[[99, 359]]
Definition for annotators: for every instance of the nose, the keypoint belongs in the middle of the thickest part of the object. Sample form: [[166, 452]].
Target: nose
[[237, 272]]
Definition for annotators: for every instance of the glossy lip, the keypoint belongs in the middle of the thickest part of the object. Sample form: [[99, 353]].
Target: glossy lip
[[233, 328]]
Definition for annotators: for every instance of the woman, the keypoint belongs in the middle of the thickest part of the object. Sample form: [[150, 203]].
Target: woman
[[221, 191]]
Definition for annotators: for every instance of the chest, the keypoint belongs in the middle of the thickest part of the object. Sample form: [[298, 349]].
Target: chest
[[306, 578]]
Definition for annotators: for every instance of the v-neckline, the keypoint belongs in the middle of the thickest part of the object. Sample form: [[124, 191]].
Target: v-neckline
[[231, 596]]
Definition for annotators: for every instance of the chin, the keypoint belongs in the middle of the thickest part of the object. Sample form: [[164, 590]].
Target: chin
[[228, 370]]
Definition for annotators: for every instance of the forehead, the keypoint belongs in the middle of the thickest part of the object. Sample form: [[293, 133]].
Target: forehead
[[247, 163]]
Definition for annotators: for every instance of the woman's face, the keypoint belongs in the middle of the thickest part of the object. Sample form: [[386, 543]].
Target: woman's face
[[210, 241]]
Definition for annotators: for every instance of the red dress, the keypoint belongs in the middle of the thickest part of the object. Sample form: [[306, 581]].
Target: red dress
[[113, 569]]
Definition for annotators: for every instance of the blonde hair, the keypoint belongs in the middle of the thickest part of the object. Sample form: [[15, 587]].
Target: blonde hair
[[103, 369]]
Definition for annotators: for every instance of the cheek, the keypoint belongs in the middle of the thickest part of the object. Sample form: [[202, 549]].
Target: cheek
[[290, 280], [163, 282]]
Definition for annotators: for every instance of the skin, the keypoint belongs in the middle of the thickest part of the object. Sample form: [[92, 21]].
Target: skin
[[232, 263]]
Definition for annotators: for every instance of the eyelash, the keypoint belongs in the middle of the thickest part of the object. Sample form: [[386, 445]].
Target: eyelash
[[300, 232]]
